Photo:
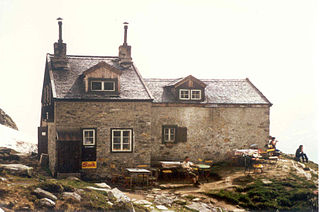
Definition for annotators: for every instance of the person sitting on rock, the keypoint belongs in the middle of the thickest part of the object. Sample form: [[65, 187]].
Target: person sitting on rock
[[301, 154], [187, 165]]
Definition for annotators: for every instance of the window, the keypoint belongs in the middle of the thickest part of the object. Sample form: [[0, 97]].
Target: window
[[195, 94], [88, 136], [187, 94], [173, 134], [169, 134], [121, 140], [102, 85], [184, 94]]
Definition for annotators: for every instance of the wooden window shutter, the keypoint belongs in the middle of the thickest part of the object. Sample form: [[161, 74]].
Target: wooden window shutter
[[181, 134]]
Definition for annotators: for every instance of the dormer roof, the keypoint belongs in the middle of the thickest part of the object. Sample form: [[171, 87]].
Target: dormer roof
[[101, 65], [188, 79]]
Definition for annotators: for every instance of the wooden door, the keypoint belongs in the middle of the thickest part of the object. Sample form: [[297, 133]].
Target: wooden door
[[69, 156]]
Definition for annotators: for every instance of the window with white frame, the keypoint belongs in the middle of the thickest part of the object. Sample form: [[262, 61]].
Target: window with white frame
[[121, 140], [184, 94], [88, 136], [187, 94], [100, 85], [195, 94], [169, 133]]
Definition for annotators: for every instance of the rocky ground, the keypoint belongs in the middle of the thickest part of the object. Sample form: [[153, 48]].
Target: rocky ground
[[286, 185]]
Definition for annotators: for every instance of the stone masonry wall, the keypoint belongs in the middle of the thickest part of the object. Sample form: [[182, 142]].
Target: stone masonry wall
[[106, 115], [212, 132], [52, 147]]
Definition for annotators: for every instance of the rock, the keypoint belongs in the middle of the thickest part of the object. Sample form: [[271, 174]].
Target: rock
[[150, 197], [301, 172], [180, 201], [285, 168], [78, 190], [71, 195], [17, 169], [196, 199], [118, 196], [302, 165], [164, 200], [265, 181], [103, 185], [155, 190], [98, 189], [199, 206], [6, 120], [73, 178], [45, 202], [3, 179], [44, 194], [142, 202], [161, 207]]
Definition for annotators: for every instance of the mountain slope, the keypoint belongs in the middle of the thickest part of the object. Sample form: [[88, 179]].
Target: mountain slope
[[6, 120]]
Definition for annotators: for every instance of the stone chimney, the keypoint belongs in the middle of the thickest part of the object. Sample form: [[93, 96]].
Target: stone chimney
[[125, 50], [60, 60]]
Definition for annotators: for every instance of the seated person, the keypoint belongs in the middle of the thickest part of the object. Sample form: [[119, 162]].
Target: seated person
[[187, 165], [301, 154], [272, 143]]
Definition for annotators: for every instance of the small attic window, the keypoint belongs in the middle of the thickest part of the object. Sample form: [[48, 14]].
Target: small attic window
[[102, 85], [190, 94]]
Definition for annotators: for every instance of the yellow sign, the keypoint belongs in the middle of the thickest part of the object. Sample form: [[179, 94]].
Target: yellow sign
[[89, 164]]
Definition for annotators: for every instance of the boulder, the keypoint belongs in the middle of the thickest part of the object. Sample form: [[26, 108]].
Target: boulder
[[142, 202], [180, 201], [103, 185], [71, 195], [17, 169], [97, 189], [48, 203], [161, 207], [265, 181], [44, 194], [118, 196], [199, 206], [164, 200]]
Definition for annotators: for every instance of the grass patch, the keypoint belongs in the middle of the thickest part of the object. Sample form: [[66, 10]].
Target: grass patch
[[293, 194]]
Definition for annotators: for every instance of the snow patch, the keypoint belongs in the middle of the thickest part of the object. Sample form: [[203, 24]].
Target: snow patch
[[16, 140]]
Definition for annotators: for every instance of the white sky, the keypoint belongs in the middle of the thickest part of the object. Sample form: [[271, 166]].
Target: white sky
[[275, 43]]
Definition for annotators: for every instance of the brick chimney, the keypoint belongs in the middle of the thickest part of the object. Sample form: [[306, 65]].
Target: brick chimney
[[125, 50], [60, 60]]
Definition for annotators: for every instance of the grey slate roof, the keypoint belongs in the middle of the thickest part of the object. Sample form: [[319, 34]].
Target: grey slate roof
[[68, 84], [217, 91]]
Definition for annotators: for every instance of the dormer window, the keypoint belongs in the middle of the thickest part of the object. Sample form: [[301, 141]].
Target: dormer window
[[184, 94], [195, 94], [102, 85], [190, 94]]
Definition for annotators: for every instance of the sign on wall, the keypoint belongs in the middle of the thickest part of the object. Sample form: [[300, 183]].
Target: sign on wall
[[89, 164]]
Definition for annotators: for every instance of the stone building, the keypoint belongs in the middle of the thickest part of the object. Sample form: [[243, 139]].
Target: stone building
[[99, 115]]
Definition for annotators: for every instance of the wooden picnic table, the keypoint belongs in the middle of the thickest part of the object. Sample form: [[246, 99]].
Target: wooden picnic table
[[134, 172]]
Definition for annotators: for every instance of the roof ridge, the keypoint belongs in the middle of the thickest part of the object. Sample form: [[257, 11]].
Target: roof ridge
[[86, 56]]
